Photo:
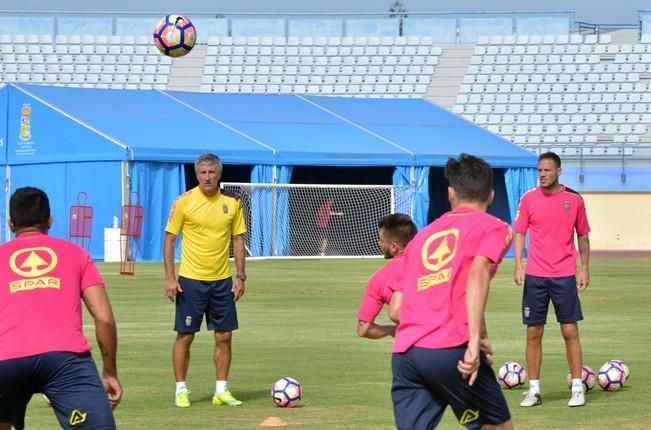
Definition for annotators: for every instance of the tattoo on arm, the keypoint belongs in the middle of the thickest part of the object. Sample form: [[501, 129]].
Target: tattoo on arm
[[584, 249]]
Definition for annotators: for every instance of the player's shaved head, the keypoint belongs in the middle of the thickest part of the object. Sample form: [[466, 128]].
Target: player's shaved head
[[470, 177], [29, 207]]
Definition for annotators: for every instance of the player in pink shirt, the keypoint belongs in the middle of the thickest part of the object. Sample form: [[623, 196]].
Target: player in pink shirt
[[42, 345], [441, 344], [395, 231], [323, 217], [551, 213]]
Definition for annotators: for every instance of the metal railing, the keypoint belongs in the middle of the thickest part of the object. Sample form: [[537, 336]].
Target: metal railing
[[457, 27]]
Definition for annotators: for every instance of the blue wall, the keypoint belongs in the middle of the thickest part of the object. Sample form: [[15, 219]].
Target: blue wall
[[608, 179]]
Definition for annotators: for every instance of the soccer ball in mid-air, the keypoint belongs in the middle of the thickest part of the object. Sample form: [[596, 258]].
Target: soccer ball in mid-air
[[511, 375], [588, 377], [286, 392], [624, 367], [175, 35], [611, 376]]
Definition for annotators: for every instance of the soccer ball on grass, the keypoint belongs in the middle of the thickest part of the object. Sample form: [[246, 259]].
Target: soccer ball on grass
[[588, 377], [611, 376], [511, 375], [624, 367], [286, 392]]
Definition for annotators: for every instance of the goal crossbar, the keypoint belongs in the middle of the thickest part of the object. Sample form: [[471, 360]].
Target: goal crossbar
[[307, 220]]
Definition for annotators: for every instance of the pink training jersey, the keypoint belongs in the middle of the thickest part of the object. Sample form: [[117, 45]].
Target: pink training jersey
[[551, 220], [379, 290], [435, 273], [41, 283], [323, 215]]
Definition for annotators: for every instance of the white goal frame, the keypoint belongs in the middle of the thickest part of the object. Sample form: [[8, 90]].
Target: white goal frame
[[281, 218]]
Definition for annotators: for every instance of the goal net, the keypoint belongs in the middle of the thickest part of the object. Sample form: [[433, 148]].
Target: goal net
[[317, 220]]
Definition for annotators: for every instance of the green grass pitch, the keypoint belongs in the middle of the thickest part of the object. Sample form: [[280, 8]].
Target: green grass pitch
[[298, 319]]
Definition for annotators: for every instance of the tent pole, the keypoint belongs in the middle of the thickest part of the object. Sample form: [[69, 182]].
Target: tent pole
[[126, 182], [412, 185], [274, 208], [7, 192]]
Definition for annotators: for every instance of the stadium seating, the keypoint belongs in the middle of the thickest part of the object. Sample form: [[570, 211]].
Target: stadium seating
[[124, 62], [569, 94], [362, 67], [578, 95]]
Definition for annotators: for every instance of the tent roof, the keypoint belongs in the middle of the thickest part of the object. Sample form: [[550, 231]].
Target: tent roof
[[253, 129], [303, 133], [149, 123], [432, 133]]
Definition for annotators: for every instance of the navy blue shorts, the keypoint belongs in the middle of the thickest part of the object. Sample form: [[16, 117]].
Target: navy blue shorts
[[537, 293], [69, 380], [426, 381], [211, 298]]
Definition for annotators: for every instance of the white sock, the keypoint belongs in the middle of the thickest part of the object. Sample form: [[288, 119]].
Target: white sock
[[220, 387], [577, 384], [181, 387], [534, 386]]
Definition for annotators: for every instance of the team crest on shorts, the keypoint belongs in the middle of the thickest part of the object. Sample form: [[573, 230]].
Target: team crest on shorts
[[77, 417], [566, 205], [188, 321], [469, 416], [225, 208], [526, 312]]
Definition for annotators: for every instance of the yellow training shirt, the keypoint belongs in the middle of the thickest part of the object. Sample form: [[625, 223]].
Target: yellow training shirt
[[206, 225]]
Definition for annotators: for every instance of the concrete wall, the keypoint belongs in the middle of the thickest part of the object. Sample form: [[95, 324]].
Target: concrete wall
[[619, 221]]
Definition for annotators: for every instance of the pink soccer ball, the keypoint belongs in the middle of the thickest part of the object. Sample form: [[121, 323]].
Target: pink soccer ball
[[175, 35], [611, 376], [511, 375], [624, 367], [286, 392], [588, 377]]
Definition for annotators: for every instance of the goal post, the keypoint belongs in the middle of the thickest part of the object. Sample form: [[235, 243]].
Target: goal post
[[297, 220]]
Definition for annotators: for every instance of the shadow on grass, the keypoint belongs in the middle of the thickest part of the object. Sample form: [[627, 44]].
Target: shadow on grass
[[242, 395], [594, 394]]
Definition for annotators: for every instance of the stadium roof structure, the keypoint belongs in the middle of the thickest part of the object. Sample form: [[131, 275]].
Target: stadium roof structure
[[84, 124]]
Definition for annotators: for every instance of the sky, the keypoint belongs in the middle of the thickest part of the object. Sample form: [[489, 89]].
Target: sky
[[592, 11]]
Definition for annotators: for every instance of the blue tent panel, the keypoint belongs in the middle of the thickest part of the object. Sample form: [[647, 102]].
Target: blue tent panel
[[3, 159], [40, 133], [302, 133], [420, 197], [431, 132], [4, 93], [63, 181], [518, 182], [157, 185], [269, 221], [154, 126]]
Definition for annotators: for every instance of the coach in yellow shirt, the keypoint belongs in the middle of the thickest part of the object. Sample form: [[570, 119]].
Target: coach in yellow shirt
[[207, 218]]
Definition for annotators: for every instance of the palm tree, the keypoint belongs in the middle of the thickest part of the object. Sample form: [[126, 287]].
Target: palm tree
[[398, 10]]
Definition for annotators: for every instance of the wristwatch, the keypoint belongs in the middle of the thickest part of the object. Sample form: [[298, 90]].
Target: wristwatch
[[241, 277]]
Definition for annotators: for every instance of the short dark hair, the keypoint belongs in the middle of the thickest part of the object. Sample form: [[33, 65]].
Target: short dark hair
[[399, 226], [549, 155], [29, 207], [470, 176]]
